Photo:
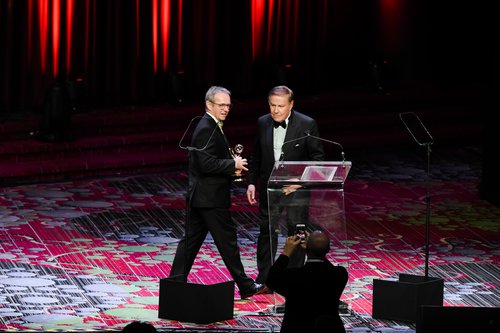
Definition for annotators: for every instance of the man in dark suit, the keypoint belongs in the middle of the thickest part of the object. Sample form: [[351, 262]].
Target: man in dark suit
[[211, 168], [312, 292], [281, 135]]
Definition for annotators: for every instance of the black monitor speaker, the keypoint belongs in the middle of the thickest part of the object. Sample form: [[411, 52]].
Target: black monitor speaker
[[458, 319], [196, 303]]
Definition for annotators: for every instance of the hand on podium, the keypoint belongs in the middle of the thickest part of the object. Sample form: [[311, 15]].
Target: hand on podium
[[289, 189]]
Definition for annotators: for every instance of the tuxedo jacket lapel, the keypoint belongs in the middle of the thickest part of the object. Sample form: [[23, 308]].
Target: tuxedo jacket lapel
[[292, 132], [269, 142], [225, 138], [219, 131]]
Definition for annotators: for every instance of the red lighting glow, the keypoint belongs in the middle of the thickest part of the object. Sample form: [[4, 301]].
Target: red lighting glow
[[56, 35], [165, 29], [69, 32], [154, 21], [258, 10], [43, 21], [54, 21], [179, 33], [269, 24], [391, 25], [30, 28]]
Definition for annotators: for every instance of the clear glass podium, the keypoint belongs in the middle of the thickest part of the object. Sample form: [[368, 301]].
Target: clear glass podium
[[310, 193]]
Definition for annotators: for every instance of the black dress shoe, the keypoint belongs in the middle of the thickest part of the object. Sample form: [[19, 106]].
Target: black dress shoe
[[255, 289], [266, 290]]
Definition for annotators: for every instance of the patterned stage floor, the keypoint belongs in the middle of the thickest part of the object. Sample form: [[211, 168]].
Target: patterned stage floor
[[88, 255]]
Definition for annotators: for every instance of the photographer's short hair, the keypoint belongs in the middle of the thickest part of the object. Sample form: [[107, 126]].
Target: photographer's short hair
[[318, 245]]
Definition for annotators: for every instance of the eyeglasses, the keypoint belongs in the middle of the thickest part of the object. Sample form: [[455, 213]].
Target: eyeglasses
[[223, 106]]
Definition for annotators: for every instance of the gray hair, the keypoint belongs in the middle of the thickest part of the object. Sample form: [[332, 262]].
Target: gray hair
[[281, 91], [209, 96]]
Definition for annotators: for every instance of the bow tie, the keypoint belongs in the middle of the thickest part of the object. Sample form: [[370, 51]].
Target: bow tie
[[282, 124]]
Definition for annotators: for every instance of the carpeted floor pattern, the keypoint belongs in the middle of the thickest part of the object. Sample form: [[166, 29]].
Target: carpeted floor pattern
[[87, 255]]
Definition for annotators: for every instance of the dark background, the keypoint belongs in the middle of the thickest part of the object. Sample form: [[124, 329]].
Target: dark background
[[312, 45]]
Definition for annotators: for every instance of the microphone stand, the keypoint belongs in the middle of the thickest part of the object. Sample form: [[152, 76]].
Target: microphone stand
[[282, 155], [308, 133], [410, 292], [427, 210], [427, 143]]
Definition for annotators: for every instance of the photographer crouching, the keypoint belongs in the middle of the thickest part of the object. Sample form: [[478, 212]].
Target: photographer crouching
[[312, 292]]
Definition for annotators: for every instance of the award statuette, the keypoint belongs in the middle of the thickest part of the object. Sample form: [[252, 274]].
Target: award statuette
[[236, 152]]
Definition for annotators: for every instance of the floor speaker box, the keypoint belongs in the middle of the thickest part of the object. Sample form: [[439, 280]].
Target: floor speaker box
[[458, 319], [401, 299], [196, 303]]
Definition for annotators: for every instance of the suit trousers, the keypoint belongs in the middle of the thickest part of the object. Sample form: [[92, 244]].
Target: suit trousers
[[223, 230], [295, 207]]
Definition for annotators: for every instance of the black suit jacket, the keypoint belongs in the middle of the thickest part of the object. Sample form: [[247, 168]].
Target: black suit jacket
[[210, 166], [311, 291], [262, 160]]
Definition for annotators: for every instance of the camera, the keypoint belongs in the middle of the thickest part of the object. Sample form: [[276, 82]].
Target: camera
[[300, 231]]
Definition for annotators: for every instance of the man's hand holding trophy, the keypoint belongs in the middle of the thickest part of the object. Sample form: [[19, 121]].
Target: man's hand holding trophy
[[240, 162]]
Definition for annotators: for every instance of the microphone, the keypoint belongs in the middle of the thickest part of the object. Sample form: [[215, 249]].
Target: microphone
[[308, 134], [282, 156]]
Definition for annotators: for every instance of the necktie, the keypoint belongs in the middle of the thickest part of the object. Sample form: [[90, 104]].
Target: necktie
[[277, 124], [220, 124]]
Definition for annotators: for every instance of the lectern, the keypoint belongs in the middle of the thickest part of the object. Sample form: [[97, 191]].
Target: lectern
[[312, 193]]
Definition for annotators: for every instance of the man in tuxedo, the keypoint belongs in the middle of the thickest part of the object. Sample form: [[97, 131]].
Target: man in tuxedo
[[282, 134], [211, 168], [312, 292]]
